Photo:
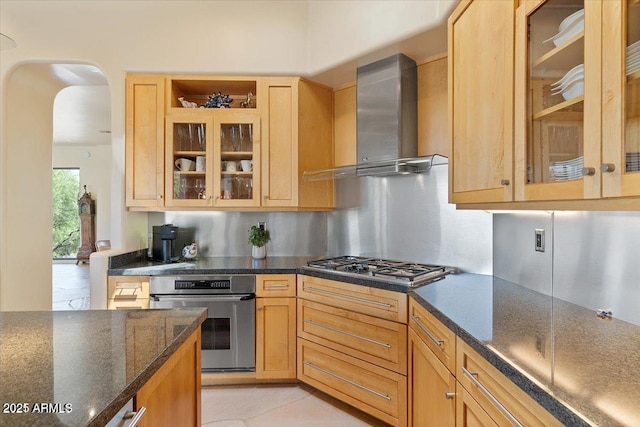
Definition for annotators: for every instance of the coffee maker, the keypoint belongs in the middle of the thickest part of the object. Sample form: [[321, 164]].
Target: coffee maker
[[168, 241]]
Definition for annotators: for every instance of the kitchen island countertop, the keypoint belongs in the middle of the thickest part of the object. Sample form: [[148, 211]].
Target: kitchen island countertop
[[563, 355], [78, 368]]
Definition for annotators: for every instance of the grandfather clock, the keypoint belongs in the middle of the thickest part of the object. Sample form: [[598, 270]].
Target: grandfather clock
[[87, 212]]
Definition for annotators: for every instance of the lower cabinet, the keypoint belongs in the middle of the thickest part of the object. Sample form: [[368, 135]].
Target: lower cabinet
[[469, 413], [370, 388], [276, 326], [432, 388], [127, 292], [171, 397]]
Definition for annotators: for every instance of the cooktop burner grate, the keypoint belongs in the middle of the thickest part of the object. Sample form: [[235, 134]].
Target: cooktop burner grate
[[400, 272]]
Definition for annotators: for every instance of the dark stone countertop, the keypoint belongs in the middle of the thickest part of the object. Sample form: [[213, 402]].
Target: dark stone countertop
[[561, 354], [83, 365], [219, 265]]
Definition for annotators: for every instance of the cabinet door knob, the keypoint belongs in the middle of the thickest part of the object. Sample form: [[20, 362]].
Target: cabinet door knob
[[607, 167], [449, 395], [504, 182], [588, 171], [159, 196]]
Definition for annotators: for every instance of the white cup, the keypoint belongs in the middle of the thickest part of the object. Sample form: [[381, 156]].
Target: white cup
[[231, 166], [200, 163], [247, 165], [185, 164]]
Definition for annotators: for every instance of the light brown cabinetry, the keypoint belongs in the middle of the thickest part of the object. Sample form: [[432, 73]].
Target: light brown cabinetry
[[144, 140], [127, 292], [171, 397], [432, 384], [297, 136], [481, 58], [276, 326], [352, 343], [254, 152], [560, 129], [502, 400]]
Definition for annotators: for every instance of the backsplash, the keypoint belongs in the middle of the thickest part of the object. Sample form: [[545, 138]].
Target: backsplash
[[591, 258], [409, 218], [226, 233]]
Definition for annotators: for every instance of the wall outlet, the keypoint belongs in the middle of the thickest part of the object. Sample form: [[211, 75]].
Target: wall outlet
[[539, 239]]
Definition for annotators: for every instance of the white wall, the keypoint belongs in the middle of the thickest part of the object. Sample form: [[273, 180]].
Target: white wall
[[95, 172]]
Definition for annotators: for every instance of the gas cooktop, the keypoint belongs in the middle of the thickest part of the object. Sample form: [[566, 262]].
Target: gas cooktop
[[397, 272]]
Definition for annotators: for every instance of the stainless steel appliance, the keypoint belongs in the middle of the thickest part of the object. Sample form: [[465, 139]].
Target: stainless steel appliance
[[396, 272], [228, 333]]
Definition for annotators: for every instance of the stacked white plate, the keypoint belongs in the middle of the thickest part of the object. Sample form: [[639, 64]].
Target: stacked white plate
[[633, 162], [568, 28], [633, 58], [566, 170], [571, 85]]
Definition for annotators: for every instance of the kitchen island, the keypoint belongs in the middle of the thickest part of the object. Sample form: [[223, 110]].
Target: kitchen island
[[79, 368]]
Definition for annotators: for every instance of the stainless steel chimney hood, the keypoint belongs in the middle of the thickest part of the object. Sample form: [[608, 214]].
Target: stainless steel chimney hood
[[387, 122]]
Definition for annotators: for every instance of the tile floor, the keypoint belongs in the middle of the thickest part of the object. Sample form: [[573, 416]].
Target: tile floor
[[70, 286], [277, 406]]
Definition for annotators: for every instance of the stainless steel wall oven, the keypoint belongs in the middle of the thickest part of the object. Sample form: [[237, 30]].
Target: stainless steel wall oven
[[228, 334]]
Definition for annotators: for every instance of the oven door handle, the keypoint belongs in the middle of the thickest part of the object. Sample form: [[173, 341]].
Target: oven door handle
[[204, 298]]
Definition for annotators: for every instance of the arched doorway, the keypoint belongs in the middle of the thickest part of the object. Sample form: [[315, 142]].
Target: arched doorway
[[27, 158]]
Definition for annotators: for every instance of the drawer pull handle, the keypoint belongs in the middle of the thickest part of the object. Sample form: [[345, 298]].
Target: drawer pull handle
[[135, 416], [129, 286], [348, 381], [350, 334], [276, 286], [505, 411], [349, 297], [433, 338]]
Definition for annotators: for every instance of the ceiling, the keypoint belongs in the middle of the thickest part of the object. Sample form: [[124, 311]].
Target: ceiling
[[82, 110]]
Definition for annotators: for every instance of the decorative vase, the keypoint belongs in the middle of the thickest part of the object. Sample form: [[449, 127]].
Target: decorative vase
[[259, 252]]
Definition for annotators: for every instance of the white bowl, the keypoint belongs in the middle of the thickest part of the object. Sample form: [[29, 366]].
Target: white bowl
[[569, 31], [577, 69], [570, 19], [573, 91]]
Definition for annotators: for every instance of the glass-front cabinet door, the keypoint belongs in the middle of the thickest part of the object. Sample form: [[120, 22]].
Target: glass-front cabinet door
[[237, 159], [189, 154], [558, 99], [620, 166]]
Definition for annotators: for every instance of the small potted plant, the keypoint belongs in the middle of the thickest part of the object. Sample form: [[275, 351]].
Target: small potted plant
[[259, 237]]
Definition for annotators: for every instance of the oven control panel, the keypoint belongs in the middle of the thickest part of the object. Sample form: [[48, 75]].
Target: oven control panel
[[203, 284]]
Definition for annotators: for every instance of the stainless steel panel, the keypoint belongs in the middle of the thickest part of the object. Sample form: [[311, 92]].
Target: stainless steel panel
[[387, 121], [514, 256], [409, 218], [596, 263], [226, 233]]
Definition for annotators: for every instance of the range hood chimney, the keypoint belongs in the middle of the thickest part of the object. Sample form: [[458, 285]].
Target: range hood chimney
[[387, 123], [387, 115]]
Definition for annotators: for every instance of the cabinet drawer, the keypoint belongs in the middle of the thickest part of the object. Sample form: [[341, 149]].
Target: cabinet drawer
[[276, 285], [440, 339], [378, 341], [377, 391], [497, 395], [131, 304], [361, 299], [127, 288]]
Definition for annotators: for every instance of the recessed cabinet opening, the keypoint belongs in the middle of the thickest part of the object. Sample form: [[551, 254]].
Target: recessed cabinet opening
[[556, 88], [189, 160], [236, 180], [200, 91]]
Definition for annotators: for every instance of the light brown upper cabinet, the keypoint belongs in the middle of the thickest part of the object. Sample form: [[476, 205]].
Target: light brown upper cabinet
[[576, 122], [481, 60], [144, 153], [249, 155], [577, 91], [297, 136]]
